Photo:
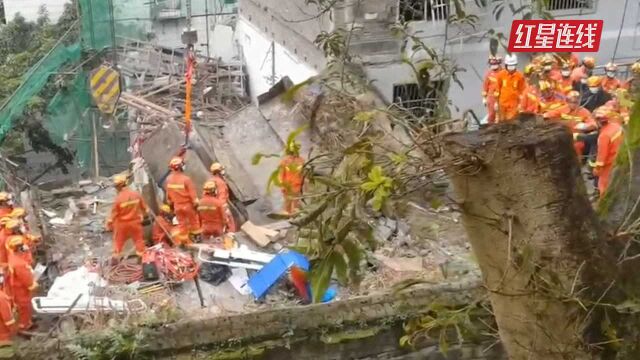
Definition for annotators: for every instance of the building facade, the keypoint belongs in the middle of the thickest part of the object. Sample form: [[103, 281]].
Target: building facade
[[291, 27]]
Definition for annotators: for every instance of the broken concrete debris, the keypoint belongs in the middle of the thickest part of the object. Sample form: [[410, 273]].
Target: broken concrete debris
[[259, 234]]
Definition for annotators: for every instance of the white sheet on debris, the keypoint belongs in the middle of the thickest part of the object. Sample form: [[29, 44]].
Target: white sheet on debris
[[80, 281]]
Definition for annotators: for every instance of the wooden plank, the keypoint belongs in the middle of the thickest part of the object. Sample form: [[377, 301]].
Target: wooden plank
[[258, 234]]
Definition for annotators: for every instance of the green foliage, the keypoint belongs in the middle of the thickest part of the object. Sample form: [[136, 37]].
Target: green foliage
[[379, 185], [440, 321], [22, 45], [118, 343]]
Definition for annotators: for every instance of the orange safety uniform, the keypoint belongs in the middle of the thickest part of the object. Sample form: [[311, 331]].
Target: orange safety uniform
[[6, 210], [530, 101], [180, 235], [126, 221], [8, 326], [609, 141], [551, 103], [213, 215], [181, 193], [570, 118], [610, 84], [565, 85], [510, 88], [578, 73], [489, 91], [161, 230], [290, 176], [223, 194], [22, 286]]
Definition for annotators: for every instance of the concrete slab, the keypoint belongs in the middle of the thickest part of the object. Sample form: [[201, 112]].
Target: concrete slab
[[248, 133]]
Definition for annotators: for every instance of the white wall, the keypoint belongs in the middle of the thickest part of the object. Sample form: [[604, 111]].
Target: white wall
[[29, 8], [257, 54]]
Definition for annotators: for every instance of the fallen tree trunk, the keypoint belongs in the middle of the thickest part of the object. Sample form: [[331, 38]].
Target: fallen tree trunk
[[538, 242]]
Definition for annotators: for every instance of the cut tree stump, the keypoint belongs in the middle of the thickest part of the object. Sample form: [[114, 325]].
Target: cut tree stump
[[536, 238]]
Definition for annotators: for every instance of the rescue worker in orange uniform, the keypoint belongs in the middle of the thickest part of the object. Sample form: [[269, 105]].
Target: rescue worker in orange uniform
[[511, 85], [550, 99], [622, 112], [572, 59], [8, 326], [574, 117], [182, 197], [565, 85], [213, 212], [20, 214], [15, 227], [530, 100], [588, 63], [5, 204], [162, 226], [610, 83], [181, 236], [290, 177], [609, 141], [4, 235], [549, 71], [127, 215], [594, 96], [217, 170], [22, 281], [633, 84], [489, 87]]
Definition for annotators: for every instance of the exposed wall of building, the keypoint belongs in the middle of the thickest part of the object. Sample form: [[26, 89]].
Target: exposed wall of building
[[467, 46], [29, 8], [258, 56]]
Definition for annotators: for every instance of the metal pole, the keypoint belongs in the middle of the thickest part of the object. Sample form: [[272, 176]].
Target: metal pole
[[206, 10], [273, 63], [113, 35], [615, 50], [96, 159]]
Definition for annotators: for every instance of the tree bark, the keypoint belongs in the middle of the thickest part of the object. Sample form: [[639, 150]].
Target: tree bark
[[537, 240]]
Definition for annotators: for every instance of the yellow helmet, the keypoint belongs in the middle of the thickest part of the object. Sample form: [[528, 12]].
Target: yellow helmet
[[573, 95], [602, 113], [589, 62], [216, 167], [529, 69], [120, 180], [545, 85], [18, 212], [165, 208], [4, 220], [594, 81], [176, 163], [635, 68], [209, 186], [15, 241], [12, 224], [4, 196]]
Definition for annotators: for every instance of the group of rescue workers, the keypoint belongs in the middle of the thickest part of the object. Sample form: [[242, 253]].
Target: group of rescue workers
[[17, 281], [561, 88], [185, 218]]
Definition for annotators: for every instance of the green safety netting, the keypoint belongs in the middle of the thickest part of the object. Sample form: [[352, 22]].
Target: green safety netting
[[34, 80], [70, 112], [130, 20]]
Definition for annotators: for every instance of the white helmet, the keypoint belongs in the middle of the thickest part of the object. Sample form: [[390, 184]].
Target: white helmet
[[511, 59]]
